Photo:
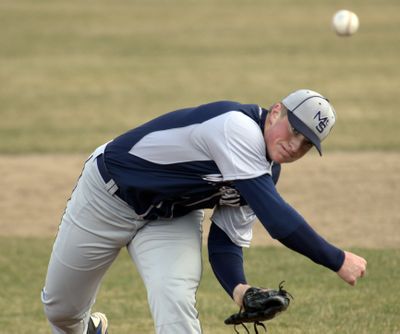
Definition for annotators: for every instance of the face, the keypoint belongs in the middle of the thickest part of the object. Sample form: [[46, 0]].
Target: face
[[284, 144]]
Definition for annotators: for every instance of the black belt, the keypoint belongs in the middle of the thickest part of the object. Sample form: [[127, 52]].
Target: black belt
[[103, 169], [111, 187]]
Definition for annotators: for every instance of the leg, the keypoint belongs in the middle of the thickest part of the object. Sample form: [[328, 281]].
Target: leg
[[94, 228], [168, 257], [75, 270]]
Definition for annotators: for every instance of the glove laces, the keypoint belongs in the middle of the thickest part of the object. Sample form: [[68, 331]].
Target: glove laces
[[255, 325]]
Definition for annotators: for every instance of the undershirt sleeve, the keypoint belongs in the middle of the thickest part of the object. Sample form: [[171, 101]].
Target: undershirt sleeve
[[285, 224], [226, 259]]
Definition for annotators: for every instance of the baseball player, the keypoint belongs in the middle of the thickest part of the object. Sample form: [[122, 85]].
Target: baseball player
[[146, 190]]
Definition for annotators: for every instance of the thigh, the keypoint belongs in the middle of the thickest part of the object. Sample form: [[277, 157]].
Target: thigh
[[168, 257], [169, 247]]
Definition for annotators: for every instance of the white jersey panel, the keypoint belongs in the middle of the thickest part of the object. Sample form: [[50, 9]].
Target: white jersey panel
[[232, 140], [236, 143], [158, 146], [236, 222]]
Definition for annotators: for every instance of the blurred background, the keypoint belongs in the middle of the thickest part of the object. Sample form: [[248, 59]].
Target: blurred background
[[75, 74]]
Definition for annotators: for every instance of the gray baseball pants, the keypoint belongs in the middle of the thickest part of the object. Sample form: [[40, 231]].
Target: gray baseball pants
[[96, 225]]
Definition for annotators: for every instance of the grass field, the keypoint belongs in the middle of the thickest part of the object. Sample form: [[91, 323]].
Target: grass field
[[74, 74], [322, 303]]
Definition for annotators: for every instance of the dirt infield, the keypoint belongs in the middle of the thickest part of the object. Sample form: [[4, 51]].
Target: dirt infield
[[350, 198]]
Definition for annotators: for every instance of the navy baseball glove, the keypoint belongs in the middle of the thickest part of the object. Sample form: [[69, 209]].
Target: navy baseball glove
[[260, 305]]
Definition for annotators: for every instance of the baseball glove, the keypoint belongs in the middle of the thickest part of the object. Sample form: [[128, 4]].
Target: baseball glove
[[260, 305]]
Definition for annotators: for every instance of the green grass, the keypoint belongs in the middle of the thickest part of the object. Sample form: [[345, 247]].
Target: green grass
[[77, 73], [322, 304]]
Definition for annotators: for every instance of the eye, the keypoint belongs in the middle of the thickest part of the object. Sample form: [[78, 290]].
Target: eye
[[294, 131]]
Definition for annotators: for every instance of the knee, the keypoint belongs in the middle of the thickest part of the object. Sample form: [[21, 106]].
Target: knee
[[56, 317], [60, 315], [173, 307], [178, 294]]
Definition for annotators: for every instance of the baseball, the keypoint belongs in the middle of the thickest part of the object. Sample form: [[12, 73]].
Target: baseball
[[345, 22]]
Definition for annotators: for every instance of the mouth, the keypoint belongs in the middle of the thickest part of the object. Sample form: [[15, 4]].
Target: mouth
[[286, 153]]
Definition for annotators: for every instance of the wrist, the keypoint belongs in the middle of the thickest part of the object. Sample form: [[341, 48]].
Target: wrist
[[238, 293]]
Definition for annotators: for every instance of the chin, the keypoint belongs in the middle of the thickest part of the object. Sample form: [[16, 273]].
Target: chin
[[280, 159]]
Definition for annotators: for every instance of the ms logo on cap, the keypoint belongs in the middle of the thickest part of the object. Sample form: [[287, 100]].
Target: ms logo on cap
[[322, 122]]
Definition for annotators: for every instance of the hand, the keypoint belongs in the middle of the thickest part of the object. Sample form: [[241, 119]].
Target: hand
[[353, 267]]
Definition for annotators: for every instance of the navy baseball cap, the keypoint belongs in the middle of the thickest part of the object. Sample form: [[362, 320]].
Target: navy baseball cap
[[311, 114]]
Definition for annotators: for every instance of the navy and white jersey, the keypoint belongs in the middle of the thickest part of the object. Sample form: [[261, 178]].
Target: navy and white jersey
[[195, 158]]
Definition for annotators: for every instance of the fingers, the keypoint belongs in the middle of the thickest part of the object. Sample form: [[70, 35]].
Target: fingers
[[363, 271], [363, 268]]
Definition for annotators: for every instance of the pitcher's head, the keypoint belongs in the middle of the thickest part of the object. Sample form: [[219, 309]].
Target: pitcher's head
[[303, 119]]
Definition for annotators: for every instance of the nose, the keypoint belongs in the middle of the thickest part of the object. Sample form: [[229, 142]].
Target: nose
[[296, 142]]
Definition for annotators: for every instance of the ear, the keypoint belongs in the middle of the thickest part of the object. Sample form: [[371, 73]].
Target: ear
[[274, 113]]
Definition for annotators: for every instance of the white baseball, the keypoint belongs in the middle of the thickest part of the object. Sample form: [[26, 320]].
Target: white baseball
[[345, 22]]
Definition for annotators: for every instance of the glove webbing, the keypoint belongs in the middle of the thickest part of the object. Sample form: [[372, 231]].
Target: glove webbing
[[255, 324]]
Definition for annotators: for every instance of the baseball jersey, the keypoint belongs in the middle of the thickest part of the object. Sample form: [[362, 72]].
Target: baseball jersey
[[194, 158]]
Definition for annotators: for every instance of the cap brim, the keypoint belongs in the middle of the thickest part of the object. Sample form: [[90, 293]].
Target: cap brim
[[300, 126]]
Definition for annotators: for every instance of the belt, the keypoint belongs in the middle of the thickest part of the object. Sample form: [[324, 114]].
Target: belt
[[103, 169], [111, 186]]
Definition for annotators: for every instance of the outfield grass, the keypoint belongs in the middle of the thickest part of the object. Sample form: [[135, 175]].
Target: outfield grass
[[77, 73], [322, 304]]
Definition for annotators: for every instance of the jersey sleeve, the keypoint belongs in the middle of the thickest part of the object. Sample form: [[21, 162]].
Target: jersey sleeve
[[237, 223], [235, 143]]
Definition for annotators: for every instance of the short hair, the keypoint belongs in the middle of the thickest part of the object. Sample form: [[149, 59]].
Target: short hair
[[284, 110]]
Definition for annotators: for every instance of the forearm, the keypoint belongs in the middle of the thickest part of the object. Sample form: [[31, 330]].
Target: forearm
[[226, 260], [307, 242], [285, 224]]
